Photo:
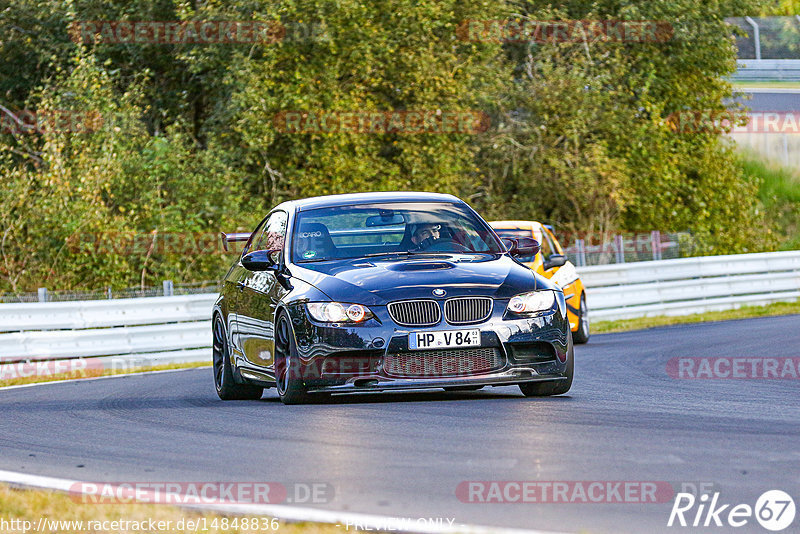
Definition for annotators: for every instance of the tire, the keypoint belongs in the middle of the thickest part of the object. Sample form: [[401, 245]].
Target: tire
[[581, 335], [224, 381], [545, 389], [288, 379]]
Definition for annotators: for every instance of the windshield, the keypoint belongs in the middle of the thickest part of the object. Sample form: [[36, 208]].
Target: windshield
[[345, 232], [514, 233]]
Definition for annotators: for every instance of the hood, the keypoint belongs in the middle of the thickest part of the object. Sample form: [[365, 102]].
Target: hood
[[379, 280]]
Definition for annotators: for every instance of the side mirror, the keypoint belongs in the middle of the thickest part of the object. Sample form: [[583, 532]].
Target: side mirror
[[261, 260], [554, 260], [522, 246], [526, 246], [509, 242]]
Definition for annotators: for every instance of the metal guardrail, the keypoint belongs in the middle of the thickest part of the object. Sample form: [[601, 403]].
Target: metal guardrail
[[178, 329], [690, 285], [767, 70], [166, 329]]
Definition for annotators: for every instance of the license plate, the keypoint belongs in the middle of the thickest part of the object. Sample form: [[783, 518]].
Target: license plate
[[444, 340]]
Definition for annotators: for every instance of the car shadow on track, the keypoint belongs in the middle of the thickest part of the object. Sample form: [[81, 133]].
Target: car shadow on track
[[413, 396]]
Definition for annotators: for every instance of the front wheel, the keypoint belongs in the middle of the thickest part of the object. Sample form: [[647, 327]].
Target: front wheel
[[545, 389], [288, 376], [581, 335], [224, 381]]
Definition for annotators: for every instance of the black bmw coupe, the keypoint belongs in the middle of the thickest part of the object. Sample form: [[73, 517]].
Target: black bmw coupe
[[385, 291]]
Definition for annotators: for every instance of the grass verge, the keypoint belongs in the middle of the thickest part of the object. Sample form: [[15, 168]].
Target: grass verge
[[766, 85], [95, 373], [64, 515], [779, 192], [745, 312]]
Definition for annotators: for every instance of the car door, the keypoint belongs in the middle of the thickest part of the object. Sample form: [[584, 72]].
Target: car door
[[561, 275], [547, 249], [567, 278], [233, 287], [259, 296]]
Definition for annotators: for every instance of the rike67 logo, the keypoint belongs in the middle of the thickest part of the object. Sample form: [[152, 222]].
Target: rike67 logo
[[774, 510]]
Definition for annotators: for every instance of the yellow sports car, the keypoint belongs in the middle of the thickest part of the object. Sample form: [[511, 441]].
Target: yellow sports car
[[552, 263]]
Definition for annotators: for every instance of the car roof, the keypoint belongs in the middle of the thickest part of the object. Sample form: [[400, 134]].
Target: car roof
[[370, 198], [521, 225]]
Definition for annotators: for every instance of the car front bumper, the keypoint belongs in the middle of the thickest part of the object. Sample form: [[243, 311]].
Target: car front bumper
[[530, 349]]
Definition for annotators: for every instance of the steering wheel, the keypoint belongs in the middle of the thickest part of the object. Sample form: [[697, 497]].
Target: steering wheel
[[441, 245]]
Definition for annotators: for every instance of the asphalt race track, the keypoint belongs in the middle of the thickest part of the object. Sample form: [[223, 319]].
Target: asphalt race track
[[766, 101], [404, 454], [770, 100]]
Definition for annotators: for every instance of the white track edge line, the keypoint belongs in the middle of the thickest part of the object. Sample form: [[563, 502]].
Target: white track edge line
[[769, 90], [289, 513]]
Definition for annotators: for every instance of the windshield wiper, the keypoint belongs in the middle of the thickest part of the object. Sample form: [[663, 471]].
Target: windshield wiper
[[399, 253], [316, 260], [377, 254]]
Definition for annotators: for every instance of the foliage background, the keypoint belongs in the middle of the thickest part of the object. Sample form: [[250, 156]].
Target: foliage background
[[579, 135]]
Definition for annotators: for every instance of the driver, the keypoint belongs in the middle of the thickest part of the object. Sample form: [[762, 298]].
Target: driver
[[425, 235]]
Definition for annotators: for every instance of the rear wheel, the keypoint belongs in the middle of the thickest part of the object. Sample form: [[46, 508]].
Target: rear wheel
[[224, 381], [581, 335], [545, 389], [288, 378]]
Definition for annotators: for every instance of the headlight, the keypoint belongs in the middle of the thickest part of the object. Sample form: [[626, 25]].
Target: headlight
[[565, 275], [535, 301], [338, 312]]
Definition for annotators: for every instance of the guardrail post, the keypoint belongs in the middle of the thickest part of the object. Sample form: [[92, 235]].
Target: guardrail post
[[756, 36], [109, 296], [581, 255], [655, 242], [168, 288], [42, 294], [618, 245]]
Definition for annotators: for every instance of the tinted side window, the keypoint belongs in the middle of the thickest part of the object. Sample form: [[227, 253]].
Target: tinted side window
[[273, 236], [546, 244], [551, 238], [254, 238]]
